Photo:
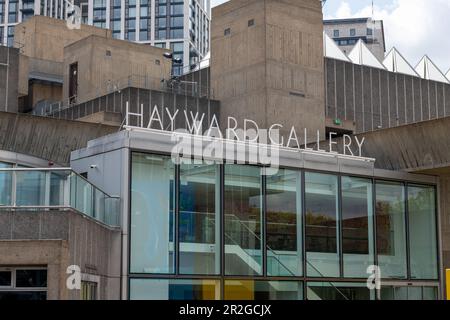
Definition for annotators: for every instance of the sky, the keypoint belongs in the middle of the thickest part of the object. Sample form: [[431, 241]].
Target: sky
[[414, 27]]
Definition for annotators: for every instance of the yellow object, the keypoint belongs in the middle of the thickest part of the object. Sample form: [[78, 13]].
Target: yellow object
[[448, 283]]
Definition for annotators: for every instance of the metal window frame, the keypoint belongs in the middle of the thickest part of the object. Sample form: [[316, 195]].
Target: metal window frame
[[304, 279]]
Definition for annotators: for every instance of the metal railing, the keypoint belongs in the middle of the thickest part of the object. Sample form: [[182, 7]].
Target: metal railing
[[56, 188], [240, 236], [173, 85]]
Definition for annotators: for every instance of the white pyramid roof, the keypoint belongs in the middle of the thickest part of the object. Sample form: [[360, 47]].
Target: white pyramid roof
[[428, 70], [395, 62], [360, 54], [448, 74], [332, 50]]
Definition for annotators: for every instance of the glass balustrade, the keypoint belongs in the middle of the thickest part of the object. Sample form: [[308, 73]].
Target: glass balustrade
[[29, 188]]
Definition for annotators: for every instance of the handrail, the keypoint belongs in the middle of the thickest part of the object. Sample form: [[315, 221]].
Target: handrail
[[72, 191], [67, 169], [309, 263]]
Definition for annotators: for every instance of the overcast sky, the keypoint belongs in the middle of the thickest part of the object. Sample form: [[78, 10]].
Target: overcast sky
[[414, 27]]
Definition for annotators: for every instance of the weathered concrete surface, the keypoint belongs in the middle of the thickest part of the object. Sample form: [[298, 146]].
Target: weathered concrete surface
[[9, 70], [414, 148], [269, 66], [104, 63], [58, 239], [47, 138]]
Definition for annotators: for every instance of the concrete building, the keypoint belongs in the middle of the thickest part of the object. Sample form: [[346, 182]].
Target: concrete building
[[94, 65], [9, 71], [60, 66], [41, 41], [182, 26], [347, 32], [265, 52]]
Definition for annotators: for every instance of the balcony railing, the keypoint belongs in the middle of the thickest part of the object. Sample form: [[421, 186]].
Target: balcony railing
[[56, 188]]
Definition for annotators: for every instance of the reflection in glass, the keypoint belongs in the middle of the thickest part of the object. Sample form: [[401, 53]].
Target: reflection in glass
[[263, 290], [284, 221], [152, 214], [391, 236], [242, 203], [357, 226], [394, 293], [30, 190], [429, 293], [5, 185], [339, 291], [174, 289], [422, 232], [409, 293], [321, 203], [199, 230]]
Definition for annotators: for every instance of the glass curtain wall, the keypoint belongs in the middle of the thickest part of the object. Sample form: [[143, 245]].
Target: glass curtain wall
[[322, 232], [284, 223], [338, 291], [391, 229], [263, 290], [152, 214], [243, 220], [357, 226], [199, 219], [422, 232], [176, 230], [174, 289]]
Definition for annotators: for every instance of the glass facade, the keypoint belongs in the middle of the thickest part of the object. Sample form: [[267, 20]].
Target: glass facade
[[322, 232], [284, 223], [357, 226], [152, 214], [243, 220], [262, 290], [296, 234], [391, 229], [199, 219]]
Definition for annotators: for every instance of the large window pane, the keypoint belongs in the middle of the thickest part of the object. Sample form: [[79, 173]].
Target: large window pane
[[322, 238], [357, 226], [199, 219], [391, 235], [263, 290], [174, 289], [152, 214], [243, 247], [339, 291], [5, 184], [30, 188], [284, 224], [422, 232]]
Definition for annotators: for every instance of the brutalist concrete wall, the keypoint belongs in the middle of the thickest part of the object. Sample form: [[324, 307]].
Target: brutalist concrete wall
[[58, 239], [267, 62], [9, 81], [115, 103], [377, 99], [47, 138]]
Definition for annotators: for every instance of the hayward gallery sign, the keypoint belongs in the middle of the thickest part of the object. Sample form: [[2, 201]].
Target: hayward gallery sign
[[249, 135]]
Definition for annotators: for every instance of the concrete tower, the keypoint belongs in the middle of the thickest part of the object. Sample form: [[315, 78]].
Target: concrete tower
[[267, 63]]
